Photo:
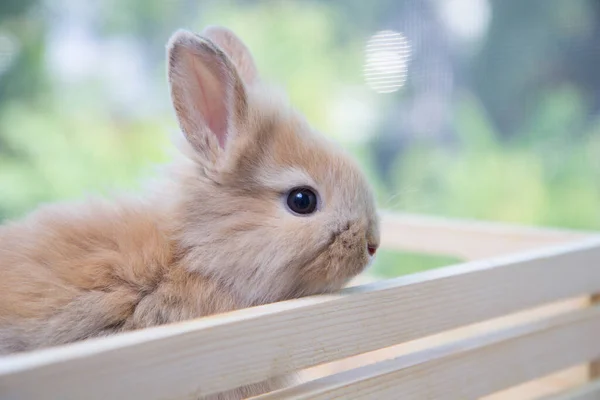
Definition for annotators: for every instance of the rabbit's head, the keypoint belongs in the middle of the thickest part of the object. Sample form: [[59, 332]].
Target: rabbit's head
[[268, 207]]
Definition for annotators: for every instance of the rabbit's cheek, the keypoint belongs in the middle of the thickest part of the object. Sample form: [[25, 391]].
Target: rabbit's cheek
[[344, 258]]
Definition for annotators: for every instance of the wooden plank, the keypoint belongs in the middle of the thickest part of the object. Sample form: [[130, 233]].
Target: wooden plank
[[468, 369], [446, 337], [213, 354], [530, 390], [595, 364], [545, 386], [468, 240], [590, 391]]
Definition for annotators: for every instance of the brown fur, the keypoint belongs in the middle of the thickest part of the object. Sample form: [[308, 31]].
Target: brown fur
[[214, 237]]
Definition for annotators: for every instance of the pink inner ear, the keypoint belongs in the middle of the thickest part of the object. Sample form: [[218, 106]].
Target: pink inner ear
[[209, 95]]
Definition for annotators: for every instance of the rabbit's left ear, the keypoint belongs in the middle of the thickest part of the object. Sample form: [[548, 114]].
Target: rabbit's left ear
[[208, 95], [236, 50]]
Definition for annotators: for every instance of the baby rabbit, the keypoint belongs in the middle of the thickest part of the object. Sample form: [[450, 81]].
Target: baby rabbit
[[258, 208]]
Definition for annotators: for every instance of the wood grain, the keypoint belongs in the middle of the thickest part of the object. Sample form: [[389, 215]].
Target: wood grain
[[468, 369], [590, 391], [545, 386], [595, 364]]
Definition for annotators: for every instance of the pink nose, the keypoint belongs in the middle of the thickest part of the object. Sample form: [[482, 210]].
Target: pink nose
[[372, 249]]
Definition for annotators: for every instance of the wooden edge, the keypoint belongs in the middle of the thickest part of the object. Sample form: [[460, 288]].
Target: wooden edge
[[172, 360], [547, 385], [594, 368], [466, 369], [464, 332], [590, 391], [467, 240]]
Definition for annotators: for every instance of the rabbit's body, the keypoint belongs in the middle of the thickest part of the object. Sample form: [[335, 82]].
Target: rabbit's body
[[73, 272], [259, 208]]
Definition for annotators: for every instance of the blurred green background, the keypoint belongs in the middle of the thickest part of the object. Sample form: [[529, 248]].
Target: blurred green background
[[495, 112]]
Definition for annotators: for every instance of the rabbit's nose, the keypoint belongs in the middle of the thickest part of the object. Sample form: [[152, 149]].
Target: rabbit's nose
[[372, 249]]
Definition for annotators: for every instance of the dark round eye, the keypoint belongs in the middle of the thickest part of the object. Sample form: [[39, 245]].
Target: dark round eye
[[302, 201]]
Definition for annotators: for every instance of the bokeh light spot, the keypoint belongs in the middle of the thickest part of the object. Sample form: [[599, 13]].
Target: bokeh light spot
[[386, 61]]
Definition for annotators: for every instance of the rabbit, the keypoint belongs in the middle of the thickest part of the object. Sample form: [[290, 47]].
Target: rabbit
[[257, 207]]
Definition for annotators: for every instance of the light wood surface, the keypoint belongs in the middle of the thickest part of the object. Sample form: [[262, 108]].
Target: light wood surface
[[218, 353], [446, 337], [546, 386], [594, 367], [467, 369], [467, 240], [590, 391]]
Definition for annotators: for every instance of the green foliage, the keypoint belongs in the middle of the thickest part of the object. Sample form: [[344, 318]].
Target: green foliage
[[50, 155], [390, 264], [25, 76], [543, 177]]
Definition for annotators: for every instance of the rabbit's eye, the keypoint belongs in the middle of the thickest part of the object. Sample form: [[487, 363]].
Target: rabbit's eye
[[302, 201]]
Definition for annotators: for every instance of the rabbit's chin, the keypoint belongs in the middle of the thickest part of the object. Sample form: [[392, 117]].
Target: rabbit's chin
[[255, 298], [316, 277]]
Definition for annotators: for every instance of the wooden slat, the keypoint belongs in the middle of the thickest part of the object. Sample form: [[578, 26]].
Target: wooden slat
[[468, 369], [468, 240], [529, 390], [481, 328], [590, 391], [214, 354], [544, 386], [594, 367]]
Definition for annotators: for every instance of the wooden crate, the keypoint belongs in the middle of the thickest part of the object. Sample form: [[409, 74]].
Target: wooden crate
[[516, 321]]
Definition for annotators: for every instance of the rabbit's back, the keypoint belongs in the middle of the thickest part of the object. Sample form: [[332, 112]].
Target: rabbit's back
[[68, 272]]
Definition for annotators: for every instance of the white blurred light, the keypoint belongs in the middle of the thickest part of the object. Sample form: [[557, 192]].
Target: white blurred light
[[466, 19], [386, 61], [76, 55], [352, 116], [9, 48], [72, 53]]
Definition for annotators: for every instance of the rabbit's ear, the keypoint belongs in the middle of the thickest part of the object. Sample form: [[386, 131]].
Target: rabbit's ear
[[208, 95], [236, 50]]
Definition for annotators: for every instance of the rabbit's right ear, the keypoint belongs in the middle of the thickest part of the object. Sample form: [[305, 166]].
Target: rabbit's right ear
[[208, 95]]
